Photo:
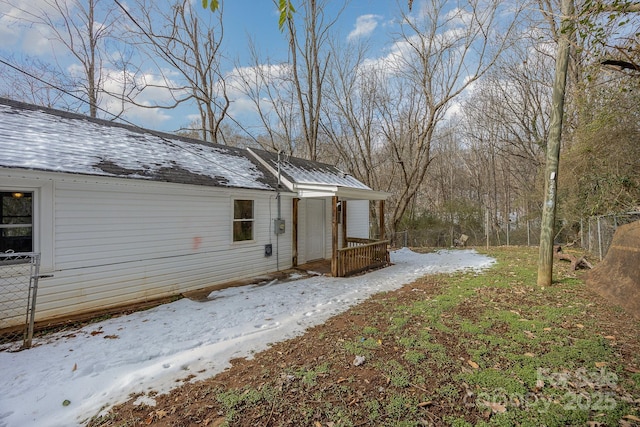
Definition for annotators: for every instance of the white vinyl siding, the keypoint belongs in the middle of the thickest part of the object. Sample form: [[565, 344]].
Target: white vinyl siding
[[358, 218], [116, 242]]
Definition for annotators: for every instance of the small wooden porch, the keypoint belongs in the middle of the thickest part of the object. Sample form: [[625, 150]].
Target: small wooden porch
[[352, 255]]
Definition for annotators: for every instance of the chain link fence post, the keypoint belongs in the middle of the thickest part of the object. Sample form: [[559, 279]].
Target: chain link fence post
[[600, 230]]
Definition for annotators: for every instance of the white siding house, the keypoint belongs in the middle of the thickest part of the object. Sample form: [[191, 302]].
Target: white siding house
[[122, 215]]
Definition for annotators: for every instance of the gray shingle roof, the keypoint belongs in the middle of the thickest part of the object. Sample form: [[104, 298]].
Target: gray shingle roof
[[301, 171], [39, 138]]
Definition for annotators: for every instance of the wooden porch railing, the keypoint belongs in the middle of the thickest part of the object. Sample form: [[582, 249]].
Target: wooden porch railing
[[360, 255]]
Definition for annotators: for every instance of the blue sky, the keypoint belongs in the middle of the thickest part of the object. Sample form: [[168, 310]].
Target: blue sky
[[259, 18], [364, 19]]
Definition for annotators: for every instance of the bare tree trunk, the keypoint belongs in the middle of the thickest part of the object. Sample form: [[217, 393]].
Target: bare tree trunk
[[545, 261]]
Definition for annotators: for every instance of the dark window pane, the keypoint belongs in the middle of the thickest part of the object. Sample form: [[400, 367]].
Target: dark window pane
[[16, 222], [242, 230], [243, 209], [16, 208]]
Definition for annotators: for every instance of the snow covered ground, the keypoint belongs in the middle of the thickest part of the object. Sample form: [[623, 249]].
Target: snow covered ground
[[68, 377]]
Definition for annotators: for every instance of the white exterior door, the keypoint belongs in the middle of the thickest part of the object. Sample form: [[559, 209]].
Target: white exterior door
[[315, 229]]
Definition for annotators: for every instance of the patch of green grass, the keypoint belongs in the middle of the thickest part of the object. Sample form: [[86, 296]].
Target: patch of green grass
[[235, 400], [576, 353], [414, 356], [437, 354], [448, 392], [400, 406], [373, 408], [493, 381], [339, 416], [635, 379], [456, 421], [370, 330], [398, 323], [308, 377], [361, 346], [474, 327], [397, 374]]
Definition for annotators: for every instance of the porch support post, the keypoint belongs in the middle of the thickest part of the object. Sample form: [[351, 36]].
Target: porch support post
[[381, 215], [334, 236], [294, 233], [343, 204]]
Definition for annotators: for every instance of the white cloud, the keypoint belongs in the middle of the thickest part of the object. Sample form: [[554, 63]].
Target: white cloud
[[21, 25], [8, 23], [364, 26], [242, 81], [156, 92], [151, 118], [38, 41]]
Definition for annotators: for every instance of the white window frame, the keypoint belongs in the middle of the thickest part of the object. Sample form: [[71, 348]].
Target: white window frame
[[235, 220]]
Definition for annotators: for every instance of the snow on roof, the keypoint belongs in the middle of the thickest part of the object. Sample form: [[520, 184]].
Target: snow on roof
[[301, 171], [38, 138]]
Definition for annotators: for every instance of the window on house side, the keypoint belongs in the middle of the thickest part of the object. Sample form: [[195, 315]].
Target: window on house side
[[242, 220], [16, 221]]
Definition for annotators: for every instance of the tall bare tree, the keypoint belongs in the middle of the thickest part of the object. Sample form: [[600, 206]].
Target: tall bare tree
[[289, 95], [439, 54], [181, 44], [351, 116], [39, 87], [309, 58], [508, 115], [83, 28], [268, 87]]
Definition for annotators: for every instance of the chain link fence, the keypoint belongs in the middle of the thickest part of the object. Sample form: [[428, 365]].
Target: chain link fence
[[19, 274], [526, 233], [597, 231]]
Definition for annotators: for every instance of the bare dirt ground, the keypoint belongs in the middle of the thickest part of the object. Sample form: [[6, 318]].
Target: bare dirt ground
[[313, 380]]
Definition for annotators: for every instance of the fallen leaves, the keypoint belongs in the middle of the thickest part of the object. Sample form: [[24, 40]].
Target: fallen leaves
[[216, 423], [473, 364], [495, 407], [155, 415]]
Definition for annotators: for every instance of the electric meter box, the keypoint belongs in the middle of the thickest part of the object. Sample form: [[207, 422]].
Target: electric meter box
[[278, 226]]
